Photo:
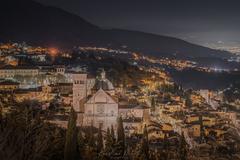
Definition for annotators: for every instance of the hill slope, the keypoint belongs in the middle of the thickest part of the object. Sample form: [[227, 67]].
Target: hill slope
[[37, 24]]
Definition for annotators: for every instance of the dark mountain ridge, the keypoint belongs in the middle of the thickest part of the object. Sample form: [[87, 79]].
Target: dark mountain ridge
[[37, 24]]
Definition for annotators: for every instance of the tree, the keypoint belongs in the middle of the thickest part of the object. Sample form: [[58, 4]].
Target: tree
[[153, 104], [99, 140], [91, 150], [144, 145], [188, 101], [91, 141], [71, 137], [1, 119], [165, 153], [113, 134], [80, 143], [108, 142], [182, 148], [27, 136], [121, 136]]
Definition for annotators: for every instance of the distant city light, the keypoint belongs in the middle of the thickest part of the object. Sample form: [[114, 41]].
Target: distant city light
[[53, 52]]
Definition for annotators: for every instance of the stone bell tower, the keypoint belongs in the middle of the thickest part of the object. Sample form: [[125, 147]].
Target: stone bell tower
[[79, 91]]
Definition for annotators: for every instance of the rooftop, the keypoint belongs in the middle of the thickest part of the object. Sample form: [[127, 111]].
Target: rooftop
[[18, 67], [9, 82]]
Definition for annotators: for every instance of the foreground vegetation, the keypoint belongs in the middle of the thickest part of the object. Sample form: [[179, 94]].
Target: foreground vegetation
[[25, 134]]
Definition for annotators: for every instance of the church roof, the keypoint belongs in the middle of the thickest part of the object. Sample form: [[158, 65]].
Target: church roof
[[100, 94]]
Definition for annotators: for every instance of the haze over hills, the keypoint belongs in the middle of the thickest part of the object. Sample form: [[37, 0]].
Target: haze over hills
[[37, 24]]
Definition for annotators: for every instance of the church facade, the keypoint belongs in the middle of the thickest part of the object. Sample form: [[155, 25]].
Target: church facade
[[101, 110], [98, 108]]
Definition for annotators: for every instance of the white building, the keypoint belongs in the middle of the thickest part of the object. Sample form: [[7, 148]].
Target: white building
[[94, 100], [11, 71], [101, 109]]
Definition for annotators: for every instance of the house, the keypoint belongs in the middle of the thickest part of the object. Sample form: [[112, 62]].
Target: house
[[134, 117], [11, 71], [194, 129], [165, 130], [62, 88]]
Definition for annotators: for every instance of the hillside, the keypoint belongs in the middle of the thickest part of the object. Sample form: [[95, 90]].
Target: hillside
[[37, 24]]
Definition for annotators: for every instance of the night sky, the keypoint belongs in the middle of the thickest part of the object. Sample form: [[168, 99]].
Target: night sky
[[213, 23]]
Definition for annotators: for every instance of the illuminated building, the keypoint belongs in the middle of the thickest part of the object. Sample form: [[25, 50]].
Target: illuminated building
[[79, 90], [134, 117], [11, 71], [8, 85], [101, 109]]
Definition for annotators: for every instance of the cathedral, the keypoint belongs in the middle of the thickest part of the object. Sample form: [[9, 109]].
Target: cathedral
[[101, 109], [95, 101]]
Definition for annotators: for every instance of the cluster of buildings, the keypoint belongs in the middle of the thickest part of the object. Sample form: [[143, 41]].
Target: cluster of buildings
[[95, 100], [155, 101], [31, 71], [13, 53], [98, 103], [200, 123]]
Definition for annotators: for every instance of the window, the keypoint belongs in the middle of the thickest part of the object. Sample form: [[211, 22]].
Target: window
[[112, 113], [100, 108], [81, 82]]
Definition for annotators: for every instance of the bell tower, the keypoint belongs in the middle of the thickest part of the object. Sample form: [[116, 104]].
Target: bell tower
[[79, 90]]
